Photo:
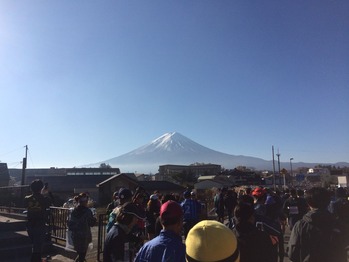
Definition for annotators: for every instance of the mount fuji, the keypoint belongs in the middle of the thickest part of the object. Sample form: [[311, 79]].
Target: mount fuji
[[174, 148]]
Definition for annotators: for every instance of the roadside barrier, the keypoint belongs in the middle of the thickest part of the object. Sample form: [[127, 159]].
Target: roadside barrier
[[58, 228], [102, 231], [58, 224]]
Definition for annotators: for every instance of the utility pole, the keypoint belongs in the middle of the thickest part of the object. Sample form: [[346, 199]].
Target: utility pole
[[272, 149], [24, 166], [292, 178], [278, 155]]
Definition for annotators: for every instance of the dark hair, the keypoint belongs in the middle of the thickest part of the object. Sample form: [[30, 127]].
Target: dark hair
[[36, 186], [300, 192], [293, 192], [82, 197], [167, 197], [246, 199], [340, 192], [243, 212], [248, 190], [318, 197]]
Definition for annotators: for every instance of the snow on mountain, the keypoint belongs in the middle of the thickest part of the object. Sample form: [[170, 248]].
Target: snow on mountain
[[171, 142], [174, 148]]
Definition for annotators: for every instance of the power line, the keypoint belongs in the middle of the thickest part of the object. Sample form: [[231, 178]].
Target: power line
[[31, 159], [17, 149]]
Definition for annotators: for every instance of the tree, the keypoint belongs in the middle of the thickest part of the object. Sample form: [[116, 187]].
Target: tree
[[185, 178], [104, 165]]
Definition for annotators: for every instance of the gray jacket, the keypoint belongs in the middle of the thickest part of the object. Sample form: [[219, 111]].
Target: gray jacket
[[316, 238]]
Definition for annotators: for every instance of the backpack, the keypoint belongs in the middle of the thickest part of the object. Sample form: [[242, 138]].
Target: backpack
[[36, 208], [341, 209], [326, 245]]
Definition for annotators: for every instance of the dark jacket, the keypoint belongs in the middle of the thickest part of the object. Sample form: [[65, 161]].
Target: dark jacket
[[80, 223], [116, 245], [254, 245], [37, 210], [294, 208], [316, 238]]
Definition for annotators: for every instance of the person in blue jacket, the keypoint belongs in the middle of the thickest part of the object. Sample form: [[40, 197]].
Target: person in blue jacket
[[191, 209], [168, 246]]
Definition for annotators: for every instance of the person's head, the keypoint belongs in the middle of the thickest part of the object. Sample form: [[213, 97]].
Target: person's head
[[340, 193], [129, 214], [186, 194], [293, 192], [270, 200], [153, 201], [210, 240], [230, 192], [318, 197], [300, 193], [244, 212], [167, 197], [115, 196], [248, 190], [125, 195], [171, 216], [81, 199], [193, 195], [246, 199], [140, 192], [154, 197], [259, 194], [36, 186]]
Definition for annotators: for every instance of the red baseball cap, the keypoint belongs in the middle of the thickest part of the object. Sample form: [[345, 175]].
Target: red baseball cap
[[171, 209], [259, 192]]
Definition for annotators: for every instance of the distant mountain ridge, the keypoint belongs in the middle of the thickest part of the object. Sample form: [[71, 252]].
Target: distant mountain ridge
[[174, 148]]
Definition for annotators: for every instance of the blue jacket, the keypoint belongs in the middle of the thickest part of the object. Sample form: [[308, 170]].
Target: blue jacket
[[191, 209], [167, 247]]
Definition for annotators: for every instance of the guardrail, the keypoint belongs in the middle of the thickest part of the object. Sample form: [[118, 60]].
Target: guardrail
[[58, 223], [102, 231], [58, 228], [13, 210]]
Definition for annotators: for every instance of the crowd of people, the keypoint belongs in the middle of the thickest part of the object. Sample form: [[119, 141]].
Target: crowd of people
[[249, 225], [256, 219]]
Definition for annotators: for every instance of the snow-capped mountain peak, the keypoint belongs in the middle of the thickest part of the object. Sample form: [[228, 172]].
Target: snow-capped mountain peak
[[167, 141], [172, 142], [174, 148]]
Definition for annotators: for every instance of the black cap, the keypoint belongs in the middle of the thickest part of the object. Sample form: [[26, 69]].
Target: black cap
[[124, 193]]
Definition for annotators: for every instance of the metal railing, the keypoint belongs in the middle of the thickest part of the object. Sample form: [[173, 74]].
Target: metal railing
[[58, 223], [12, 210], [102, 231], [58, 228]]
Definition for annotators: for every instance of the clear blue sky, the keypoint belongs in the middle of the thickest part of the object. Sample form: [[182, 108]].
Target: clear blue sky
[[85, 81]]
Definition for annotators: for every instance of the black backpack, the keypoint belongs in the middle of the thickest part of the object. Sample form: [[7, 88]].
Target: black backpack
[[36, 208], [326, 245], [341, 210]]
